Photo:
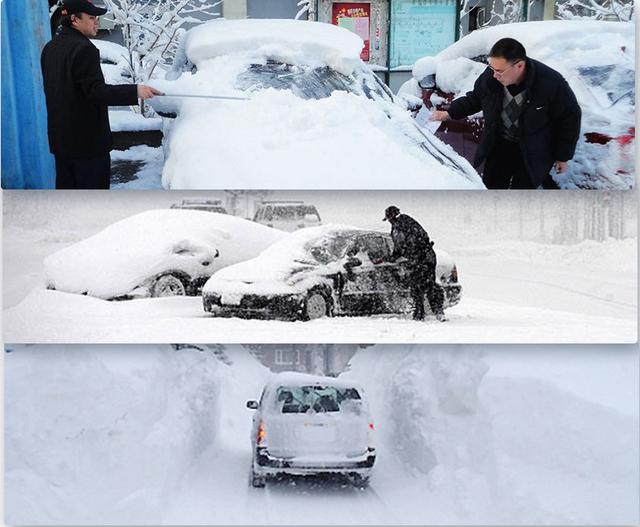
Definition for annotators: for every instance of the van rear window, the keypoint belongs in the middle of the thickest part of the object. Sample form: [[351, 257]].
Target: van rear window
[[315, 399]]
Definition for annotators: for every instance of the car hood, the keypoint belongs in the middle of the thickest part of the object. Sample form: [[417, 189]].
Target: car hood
[[121, 257]]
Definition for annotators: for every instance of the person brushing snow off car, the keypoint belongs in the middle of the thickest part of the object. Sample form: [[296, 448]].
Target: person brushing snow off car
[[531, 119], [77, 99], [412, 242]]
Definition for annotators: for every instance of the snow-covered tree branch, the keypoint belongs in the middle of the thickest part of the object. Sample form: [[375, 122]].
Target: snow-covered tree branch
[[304, 8], [621, 10]]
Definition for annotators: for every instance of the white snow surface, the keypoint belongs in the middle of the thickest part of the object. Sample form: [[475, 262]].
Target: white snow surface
[[100, 435], [298, 42], [121, 257], [566, 46], [127, 121]]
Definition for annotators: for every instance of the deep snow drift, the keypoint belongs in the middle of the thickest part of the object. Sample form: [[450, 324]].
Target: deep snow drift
[[149, 435]]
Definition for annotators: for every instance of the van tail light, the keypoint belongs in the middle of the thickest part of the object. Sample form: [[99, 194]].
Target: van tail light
[[371, 426], [454, 274], [262, 435]]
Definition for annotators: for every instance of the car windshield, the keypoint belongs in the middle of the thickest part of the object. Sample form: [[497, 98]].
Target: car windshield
[[306, 83], [609, 84], [316, 399], [294, 213]]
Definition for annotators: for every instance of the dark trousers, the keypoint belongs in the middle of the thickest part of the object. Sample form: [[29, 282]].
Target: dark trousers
[[422, 280], [93, 173], [504, 168]]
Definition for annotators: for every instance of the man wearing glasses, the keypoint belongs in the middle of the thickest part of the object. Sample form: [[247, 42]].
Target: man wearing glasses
[[531, 119]]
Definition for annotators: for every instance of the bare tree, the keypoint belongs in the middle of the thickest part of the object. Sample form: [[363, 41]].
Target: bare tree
[[152, 29], [620, 10]]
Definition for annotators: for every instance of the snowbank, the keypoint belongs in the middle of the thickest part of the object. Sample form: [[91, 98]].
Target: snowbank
[[121, 257], [290, 41], [513, 448], [126, 121], [102, 433]]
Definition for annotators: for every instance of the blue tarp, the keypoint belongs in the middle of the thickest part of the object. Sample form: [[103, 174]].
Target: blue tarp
[[26, 161]]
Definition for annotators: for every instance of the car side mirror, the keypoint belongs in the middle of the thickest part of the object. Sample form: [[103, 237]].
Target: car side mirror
[[252, 405]]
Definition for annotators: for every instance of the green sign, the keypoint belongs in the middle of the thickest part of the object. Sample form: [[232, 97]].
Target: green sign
[[420, 28]]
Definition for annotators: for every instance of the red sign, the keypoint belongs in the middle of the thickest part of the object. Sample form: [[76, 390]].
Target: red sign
[[357, 18]]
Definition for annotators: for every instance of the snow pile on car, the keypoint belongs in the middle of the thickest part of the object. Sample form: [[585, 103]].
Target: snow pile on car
[[277, 140], [522, 445], [102, 434], [288, 41], [118, 259]]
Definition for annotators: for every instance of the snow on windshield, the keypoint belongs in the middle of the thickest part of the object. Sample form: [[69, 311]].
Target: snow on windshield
[[115, 260], [289, 41]]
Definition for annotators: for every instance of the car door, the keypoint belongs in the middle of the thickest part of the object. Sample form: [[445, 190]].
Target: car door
[[365, 287], [393, 278]]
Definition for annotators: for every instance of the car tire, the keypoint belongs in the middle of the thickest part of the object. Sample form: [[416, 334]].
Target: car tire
[[168, 285], [359, 481], [258, 481], [316, 305]]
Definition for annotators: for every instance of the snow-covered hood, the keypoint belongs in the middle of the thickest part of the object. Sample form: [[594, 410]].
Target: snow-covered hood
[[121, 257]]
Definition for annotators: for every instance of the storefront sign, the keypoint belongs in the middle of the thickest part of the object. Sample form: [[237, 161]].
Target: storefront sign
[[354, 17], [420, 28]]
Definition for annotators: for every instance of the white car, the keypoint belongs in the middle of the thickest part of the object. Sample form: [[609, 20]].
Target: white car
[[305, 113], [598, 61], [156, 253], [287, 215], [308, 425]]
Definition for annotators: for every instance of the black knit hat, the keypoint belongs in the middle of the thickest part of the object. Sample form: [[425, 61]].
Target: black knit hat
[[390, 213], [73, 7]]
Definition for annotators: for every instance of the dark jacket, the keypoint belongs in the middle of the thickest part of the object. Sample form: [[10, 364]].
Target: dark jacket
[[411, 241], [549, 122], [77, 97]]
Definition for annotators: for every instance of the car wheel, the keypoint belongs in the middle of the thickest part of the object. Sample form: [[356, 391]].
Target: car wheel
[[258, 481], [360, 481], [168, 285], [315, 306]]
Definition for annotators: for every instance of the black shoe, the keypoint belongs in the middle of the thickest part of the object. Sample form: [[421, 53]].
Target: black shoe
[[440, 316]]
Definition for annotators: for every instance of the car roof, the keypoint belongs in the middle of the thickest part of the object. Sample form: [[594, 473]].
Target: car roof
[[291, 379], [298, 42]]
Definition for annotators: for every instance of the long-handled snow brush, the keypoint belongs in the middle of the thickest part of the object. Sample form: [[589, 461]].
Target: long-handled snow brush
[[196, 96]]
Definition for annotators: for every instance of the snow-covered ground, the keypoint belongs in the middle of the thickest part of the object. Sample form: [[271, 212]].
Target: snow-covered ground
[[465, 435], [513, 291]]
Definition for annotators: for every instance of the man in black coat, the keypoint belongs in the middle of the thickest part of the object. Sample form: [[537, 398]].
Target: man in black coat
[[531, 119], [412, 242], [77, 99]]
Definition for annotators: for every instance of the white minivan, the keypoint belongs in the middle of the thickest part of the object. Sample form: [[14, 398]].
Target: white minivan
[[307, 425]]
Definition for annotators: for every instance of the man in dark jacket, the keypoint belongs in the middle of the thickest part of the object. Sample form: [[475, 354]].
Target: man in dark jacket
[[531, 119], [412, 242], [77, 99]]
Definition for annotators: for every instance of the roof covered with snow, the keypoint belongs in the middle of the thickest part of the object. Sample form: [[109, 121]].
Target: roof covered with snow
[[290, 378], [290, 41]]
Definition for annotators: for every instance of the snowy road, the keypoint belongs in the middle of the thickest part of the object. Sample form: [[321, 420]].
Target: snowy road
[[140, 435], [55, 317]]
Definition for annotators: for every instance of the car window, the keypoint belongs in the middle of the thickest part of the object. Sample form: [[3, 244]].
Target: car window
[[268, 213], [327, 248], [316, 399], [306, 83], [375, 247], [609, 84]]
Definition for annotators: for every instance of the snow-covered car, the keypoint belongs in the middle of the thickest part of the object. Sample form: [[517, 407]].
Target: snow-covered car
[[598, 61], [155, 253], [322, 271], [209, 205], [307, 425], [113, 61], [287, 215], [308, 114]]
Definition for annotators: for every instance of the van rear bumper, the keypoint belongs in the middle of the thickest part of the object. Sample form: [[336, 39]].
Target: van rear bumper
[[265, 463]]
